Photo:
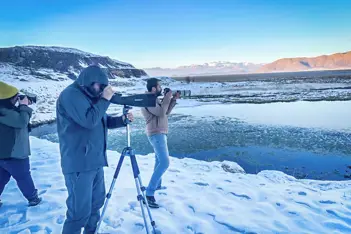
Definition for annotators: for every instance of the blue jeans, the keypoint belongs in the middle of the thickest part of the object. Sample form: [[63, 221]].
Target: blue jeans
[[159, 143]]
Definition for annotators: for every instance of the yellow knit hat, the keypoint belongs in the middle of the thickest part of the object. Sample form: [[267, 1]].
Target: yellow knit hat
[[7, 91]]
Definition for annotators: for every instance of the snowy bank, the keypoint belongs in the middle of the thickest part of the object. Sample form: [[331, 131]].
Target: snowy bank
[[201, 197]]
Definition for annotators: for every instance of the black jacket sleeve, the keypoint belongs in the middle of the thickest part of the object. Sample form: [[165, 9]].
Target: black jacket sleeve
[[115, 122]]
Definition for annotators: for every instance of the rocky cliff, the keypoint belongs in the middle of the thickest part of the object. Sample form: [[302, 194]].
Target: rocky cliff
[[64, 60]]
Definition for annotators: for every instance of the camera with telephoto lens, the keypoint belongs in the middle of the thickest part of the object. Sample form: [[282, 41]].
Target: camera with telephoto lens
[[31, 97], [138, 100], [183, 93]]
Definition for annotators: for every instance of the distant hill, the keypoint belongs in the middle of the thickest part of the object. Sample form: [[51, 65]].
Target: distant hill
[[213, 68], [64, 60], [325, 62]]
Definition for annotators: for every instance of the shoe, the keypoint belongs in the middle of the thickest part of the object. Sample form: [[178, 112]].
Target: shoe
[[152, 202], [34, 202]]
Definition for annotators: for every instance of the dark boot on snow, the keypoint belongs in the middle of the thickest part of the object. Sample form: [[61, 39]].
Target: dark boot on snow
[[152, 202], [34, 201]]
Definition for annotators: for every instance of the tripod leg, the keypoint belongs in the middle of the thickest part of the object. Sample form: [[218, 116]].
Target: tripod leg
[[141, 190], [153, 224], [140, 196], [108, 196]]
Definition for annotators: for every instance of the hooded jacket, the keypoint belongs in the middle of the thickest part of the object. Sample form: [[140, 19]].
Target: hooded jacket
[[82, 123]]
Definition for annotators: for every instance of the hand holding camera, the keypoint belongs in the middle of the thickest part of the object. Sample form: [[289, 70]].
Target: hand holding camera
[[24, 101], [108, 93], [130, 117], [169, 94], [26, 98], [176, 95]]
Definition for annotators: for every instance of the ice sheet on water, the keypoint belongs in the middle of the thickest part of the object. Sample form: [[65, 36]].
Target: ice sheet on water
[[297, 114], [200, 197]]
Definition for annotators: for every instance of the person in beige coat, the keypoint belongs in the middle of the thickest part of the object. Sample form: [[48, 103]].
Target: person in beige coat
[[156, 130]]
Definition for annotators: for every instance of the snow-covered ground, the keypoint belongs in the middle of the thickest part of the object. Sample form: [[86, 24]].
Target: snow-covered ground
[[200, 197]]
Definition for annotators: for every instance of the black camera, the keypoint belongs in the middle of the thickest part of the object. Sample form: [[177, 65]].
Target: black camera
[[183, 93], [166, 90], [31, 97]]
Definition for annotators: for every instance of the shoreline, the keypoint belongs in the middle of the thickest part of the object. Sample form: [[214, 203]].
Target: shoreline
[[321, 74], [217, 100]]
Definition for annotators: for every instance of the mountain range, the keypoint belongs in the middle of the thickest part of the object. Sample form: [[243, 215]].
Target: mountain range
[[70, 62], [213, 68], [338, 61]]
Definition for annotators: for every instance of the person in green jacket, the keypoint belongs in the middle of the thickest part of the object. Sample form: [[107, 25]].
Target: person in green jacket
[[14, 143]]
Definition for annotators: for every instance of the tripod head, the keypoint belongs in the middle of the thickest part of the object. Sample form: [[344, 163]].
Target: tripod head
[[126, 109]]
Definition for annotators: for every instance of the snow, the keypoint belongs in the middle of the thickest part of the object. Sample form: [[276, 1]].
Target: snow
[[123, 63], [102, 66], [200, 197], [46, 90], [83, 64]]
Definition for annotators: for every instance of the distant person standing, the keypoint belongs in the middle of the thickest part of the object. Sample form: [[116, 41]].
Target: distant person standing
[[14, 143], [157, 130]]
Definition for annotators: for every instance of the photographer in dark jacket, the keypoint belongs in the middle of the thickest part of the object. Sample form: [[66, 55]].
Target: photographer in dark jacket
[[14, 143], [82, 125]]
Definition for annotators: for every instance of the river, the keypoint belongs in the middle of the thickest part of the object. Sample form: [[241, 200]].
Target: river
[[308, 140]]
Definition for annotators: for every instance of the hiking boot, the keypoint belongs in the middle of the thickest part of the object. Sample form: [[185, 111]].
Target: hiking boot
[[152, 202], [35, 201]]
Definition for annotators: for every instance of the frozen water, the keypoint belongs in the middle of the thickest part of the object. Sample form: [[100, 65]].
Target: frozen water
[[322, 115]]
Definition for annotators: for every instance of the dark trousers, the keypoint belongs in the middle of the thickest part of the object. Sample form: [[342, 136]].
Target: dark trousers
[[19, 169], [86, 196]]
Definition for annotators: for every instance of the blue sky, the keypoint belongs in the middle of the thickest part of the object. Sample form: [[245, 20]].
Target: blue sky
[[151, 33]]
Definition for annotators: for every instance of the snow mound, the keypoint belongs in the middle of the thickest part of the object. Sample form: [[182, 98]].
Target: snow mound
[[200, 197]]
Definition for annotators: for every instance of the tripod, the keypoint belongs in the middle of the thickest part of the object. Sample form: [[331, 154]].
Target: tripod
[[128, 151]]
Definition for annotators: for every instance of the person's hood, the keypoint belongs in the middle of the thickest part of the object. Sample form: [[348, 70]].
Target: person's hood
[[90, 75]]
